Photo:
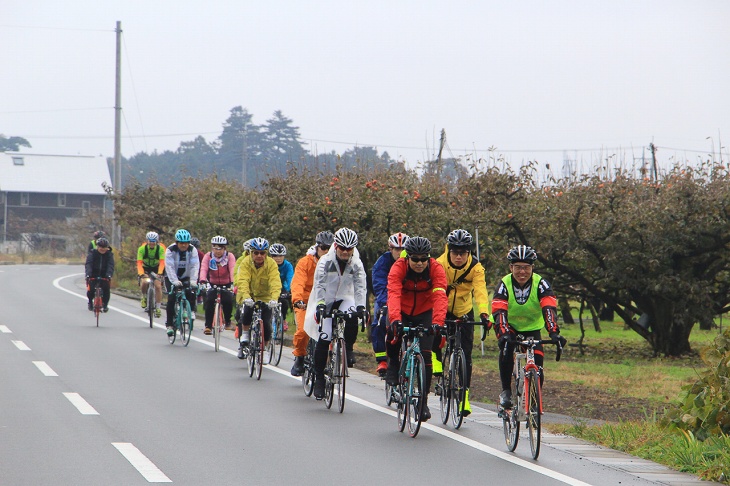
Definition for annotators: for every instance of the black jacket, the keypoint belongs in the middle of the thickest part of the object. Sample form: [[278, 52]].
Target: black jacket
[[98, 265]]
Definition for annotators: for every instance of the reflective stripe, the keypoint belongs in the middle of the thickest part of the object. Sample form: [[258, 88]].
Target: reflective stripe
[[436, 289], [381, 355]]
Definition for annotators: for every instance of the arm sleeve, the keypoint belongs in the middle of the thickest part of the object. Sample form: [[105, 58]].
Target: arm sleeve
[[549, 305], [320, 281], [299, 280], [195, 268], [500, 304], [170, 266], [243, 282], [440, 301], [140, 264], [360, 283], [380, 281], [161, 265], [395, 290], [110, 265], [204, 267], [274, 279], [480, 289], [89, 263], [231, 266], [288, 275]]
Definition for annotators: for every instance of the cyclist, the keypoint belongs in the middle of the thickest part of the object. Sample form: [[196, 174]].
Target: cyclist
[[246, 252], [217, 269], [181, 267], [301, 288], [151, 259], [257, 279], [99, 264], [97, 235], [339, 283], [465, 277], [416, 295], [286, 272], [523, 302], [380, 287]]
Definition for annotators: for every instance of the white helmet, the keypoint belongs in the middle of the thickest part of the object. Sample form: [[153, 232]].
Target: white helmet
[[346, 238], [152, 236], [397, 240], [277, 249], [219, 240]]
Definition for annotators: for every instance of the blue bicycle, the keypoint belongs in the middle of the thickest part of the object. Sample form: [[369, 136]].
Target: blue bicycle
[[409, 391], [183, 322]]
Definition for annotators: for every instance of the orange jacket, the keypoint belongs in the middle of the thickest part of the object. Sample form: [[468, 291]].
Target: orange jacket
[[412, 294], [303, 280]]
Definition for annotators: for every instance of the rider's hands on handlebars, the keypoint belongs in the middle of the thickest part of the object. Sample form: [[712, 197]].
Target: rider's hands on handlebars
[[248, 302], [320, 312], [273, 304]]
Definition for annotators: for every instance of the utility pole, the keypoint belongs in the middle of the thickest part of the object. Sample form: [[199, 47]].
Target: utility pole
[[116, 229], [244, 179], [652, 147]]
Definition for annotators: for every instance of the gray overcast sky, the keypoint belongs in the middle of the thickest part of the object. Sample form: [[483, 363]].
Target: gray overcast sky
[[522, 76]]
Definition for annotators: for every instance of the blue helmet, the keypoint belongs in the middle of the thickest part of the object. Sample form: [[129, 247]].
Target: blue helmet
[[182, 236], [259, 244]]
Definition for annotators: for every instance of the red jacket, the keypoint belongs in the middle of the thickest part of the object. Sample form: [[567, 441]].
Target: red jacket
[[412, 293]]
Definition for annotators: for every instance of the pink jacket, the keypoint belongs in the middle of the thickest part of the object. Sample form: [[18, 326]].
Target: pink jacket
[[222, 271]]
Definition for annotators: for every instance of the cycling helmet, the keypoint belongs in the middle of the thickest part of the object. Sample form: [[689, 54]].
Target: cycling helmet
[[397, 240], [182, 236], [99, 234], [346, 238], [324, 238], [417, 245], [522, 253], [219, 240], [247, 245], [277, 249], [153, 237], [102, 242], [195, 242], [259, 244], [459, 239]]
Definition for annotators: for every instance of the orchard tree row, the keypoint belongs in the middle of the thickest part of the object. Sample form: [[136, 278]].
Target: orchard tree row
[[654, 252]]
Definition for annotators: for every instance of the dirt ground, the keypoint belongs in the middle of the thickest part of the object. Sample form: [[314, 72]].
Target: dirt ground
[[559, 397]]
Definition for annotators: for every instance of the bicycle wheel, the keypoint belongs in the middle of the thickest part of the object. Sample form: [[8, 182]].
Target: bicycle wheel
[[186, 324], [341, 373], [401, 389], [151, 302], [277, 338], [443, 388], [98, 303], [388, 393], [217, 324], [308, 375], [510, 419], [259, 347], [458, 387], [533, 411], [171, 338], [415, 396], [329, 386], [251, 356]]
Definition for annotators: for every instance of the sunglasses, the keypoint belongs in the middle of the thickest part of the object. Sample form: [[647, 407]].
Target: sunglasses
[[324, 247], [216, 247], [521, 268], [459, 252], [258, 253], [342, 248], [419, 259]]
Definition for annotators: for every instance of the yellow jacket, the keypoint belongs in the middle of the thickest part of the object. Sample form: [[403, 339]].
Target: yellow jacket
[[471, 282], [261, 283]]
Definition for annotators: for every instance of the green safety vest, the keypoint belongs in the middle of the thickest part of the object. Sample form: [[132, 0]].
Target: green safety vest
[[528, 316]]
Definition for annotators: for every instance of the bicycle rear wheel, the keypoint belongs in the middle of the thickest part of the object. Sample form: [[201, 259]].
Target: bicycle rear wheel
[[388, 393], [457, 378], [415, 396], [98, 303], [443, 388], [217, 325], [171, 338], [510, 418], [308, 375], [251, 356], [277, 338], [533, 411], [259, 347], [186, 324], [341, 372], [401, 404], [329, 372]]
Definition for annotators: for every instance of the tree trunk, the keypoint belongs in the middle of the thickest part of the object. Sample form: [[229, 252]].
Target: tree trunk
[[669, 332], [565, 310]]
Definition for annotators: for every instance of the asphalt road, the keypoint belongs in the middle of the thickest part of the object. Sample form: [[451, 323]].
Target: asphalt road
[[118, 405]]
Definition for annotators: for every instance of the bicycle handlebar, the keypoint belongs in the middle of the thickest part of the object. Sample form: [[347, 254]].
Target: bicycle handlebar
[[338, 314], [534, 342]]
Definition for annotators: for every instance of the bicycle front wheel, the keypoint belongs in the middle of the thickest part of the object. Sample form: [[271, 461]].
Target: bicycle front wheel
[[401, 389], [329, 372], [533, 411], [98, 303], [171, 338], [415, 396], [277, 338], [186, 325], [259, 347], [443, 388], [217, 326], [341, 373], [308, 375], [457, 377], [151, 303], [510, 418]]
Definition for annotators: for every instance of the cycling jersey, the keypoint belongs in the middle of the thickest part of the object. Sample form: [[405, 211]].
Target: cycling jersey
[[465, 285], [182, 264], [286, 273], [413, 293], [151, 260], [523, 309]]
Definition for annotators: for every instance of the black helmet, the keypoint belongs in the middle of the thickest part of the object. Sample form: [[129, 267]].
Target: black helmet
[[195, 242], [99, 234], [417, 245], [102, 242], [522, 253], [325, 238], [459, 238]]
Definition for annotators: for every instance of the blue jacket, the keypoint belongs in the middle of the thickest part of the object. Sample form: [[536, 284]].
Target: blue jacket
[[286, 272], [380, 271]]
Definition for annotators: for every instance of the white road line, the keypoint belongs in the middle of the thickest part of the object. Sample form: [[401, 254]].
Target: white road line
[[44, 368], [81, 404], [5, 329], [141, 463], [378, 408], [21, 345]]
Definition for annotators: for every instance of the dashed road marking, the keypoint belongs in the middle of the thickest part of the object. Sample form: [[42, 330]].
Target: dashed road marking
[[44, 368], [5, 329], [81, 404], [21, 345], [141, 463]]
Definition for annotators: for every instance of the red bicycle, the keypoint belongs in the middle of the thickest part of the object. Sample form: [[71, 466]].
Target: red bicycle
[[98, 297]]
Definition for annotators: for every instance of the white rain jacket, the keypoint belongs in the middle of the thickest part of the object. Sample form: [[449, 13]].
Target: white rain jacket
[[330, 285]]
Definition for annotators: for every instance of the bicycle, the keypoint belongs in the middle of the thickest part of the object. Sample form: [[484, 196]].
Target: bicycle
[[451, 385], [335, 370], [98, 297], [183, 316], [255, 353], [526, 393], [219, 322], [410, 390], [276, 344], [390, 390], [151, 295], [308, 374]]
